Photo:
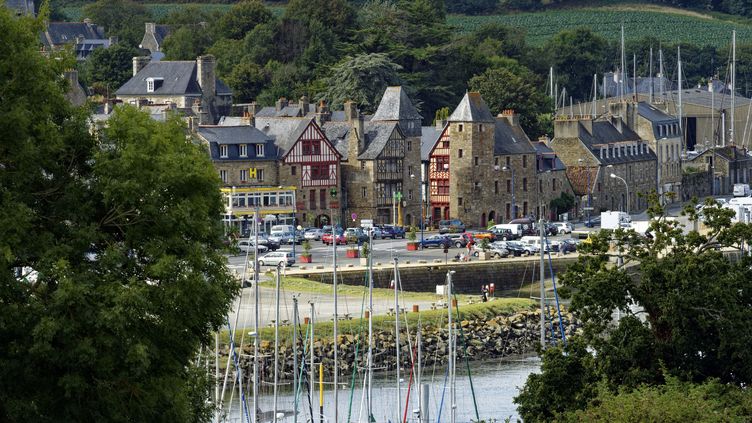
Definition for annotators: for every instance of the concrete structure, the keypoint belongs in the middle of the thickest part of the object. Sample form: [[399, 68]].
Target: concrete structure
[[592, 150], [192, 86], [481, 168]]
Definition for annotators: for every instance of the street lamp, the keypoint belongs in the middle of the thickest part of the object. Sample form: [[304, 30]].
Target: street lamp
[[613, 175], [514, 198], [589, 191], [422, 208]]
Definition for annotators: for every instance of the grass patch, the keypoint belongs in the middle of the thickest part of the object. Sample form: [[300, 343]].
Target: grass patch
[[435, 318], [159, 11]]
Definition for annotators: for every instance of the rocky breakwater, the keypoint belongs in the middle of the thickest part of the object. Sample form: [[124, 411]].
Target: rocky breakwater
[[496, 337]]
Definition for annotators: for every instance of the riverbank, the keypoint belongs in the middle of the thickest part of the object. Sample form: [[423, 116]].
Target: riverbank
[[485, 332]]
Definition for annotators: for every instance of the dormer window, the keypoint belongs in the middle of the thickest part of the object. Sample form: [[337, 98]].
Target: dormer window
[[152, 84], [243, 150], [259, 150], [223, 151]]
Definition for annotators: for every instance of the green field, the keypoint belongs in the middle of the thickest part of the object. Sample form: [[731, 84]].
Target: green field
[[668, 27], [159, 11]]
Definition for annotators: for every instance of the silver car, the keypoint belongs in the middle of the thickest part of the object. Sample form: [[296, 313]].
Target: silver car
[[313, 234], [277, 257], [246, 246]]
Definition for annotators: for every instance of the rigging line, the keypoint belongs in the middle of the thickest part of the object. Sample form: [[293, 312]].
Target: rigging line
[[556, 295], [443, 391], [237, 374], [407, 328], [467, 359], [357, 349], [302, 372], [410, 383]]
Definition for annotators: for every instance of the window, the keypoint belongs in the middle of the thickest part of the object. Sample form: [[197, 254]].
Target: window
[[540, 186], [599, 187], [508, 211], [319, 172], [410, 170], [223, 175], [322, 198], [362, 165], [459, 153], [553, 187], [496, 187], [475, 159], [524, 161], [410, 143], [524, 183], [259, 150], [508, 161], [480, 127], [311, 147], [149, 85], [294, 170], [459, 128], [243, 175], [524, 208], [364, 192], [496, 161], [312, 199], [459, 201], [409, 194], [477, 186], [223, 151], [243, 150], [509, 185], [260, 175]]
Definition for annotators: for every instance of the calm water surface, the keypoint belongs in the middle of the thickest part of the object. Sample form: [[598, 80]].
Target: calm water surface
[[495, 383]]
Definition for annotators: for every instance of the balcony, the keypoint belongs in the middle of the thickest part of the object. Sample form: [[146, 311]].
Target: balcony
[[389, 176]]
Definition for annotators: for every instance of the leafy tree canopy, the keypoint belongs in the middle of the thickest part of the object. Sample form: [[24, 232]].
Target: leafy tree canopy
[[686, 308], [337, 15], [187, 42], [576, 55], [111, 268], [242, 18], [362, 79], [107, 69], [123, 18]]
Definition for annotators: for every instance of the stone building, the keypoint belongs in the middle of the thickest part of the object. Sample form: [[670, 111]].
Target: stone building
[[481, 168], [21, 7], [82, 37], [552, 180], [154, 36], [191, 87], [592, 150], [664, 135], [728, 166]]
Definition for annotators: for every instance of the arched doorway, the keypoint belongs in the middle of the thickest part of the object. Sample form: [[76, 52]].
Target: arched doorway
[[483, 220], [446, 213], [492, 217], [409, 219], [321, 220]]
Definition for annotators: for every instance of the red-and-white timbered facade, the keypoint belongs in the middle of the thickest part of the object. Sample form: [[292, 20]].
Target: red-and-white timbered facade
[[313, 164], [438, 177]]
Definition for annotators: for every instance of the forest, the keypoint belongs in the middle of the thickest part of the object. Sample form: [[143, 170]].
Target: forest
[[335, 50]]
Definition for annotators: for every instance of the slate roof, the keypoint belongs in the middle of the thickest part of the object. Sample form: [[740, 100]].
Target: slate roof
[[428, 137], [338, 133], [396, 105], [179, 78], [243, 134], [551, 160], [287, 111], [702, 97], [377, 135], [643, 85], [509, 139], [606, 133], [59, 33], [21, 7], [472, 108], [653, 114]]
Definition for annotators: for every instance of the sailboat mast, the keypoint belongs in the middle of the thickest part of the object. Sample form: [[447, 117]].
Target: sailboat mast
[[336, 318], [634, 75], [276, 343], [295, 358], [397, 336], [681, 123], [450, 352], [733, 86], [310, 369], [419, 370], [370, 325], [652, 88], [595, 93], [660, 72], [542, 287], [623, 64], [256, 296]]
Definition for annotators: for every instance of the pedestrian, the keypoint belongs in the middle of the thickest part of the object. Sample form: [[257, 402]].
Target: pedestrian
[[484, 292]]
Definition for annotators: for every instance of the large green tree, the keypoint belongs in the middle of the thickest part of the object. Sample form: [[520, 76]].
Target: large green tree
[[123, 18], [187, 42], [242, 18], [515, 87], [109, 68], [362, 79], [685, 305], [111, 272], [576, 56]]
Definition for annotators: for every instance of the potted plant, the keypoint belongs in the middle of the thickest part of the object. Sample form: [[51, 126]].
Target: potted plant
[[352, 252], [412, 235], [365, 252], [306, 256], [484, 254]]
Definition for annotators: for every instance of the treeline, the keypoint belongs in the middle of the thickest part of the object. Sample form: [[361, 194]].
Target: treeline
[[331, 50]]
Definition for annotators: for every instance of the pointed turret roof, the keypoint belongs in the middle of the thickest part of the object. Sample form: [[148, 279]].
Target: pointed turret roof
[[395, 105], [472, 108]]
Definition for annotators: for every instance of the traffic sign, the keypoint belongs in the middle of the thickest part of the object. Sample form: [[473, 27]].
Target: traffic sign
[[588, 208], [366, 223]]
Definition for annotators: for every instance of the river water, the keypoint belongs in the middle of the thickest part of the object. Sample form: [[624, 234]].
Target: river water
[[495, 382]]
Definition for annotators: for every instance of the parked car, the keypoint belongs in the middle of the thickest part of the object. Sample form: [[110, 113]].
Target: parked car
[[523, 248], [356, 235], [277, 257], [453, 225], [438, 241], [514, 249], [479, 235], [458, 240], [551, 229], [246, 246], [313, 234], [568, 245], [269, 243], [504, 234], [397, 231], [564, 227], [528, 225], [341, 239], [593, 222], [496, 250], [375, 232]]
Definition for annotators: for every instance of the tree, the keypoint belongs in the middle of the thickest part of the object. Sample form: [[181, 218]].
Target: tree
[[337, 15], [186, 43], [514, 88], [686, 306], [242, 18], [123, 18], [107, 69], [472, 7], [247, 80], [111, 272], [564, 203], [362, 79], [576, 55]]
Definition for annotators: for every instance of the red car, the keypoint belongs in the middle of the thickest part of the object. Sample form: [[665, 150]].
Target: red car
[[327, 239]]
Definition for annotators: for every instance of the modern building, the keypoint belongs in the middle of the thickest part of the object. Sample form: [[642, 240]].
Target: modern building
[[191, 87]]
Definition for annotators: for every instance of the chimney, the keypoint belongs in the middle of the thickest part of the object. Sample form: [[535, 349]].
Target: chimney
[[253, 108], [207, 79], [280, 104], [351, 110], [440, 124], [360, 127], [566, 128], [139, 62], [304, 105], [512, 118], [322, 113], [151, 28]]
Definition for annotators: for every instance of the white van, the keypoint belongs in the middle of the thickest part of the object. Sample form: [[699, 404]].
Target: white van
[[284, 234], [515, 228], [535, 240]]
